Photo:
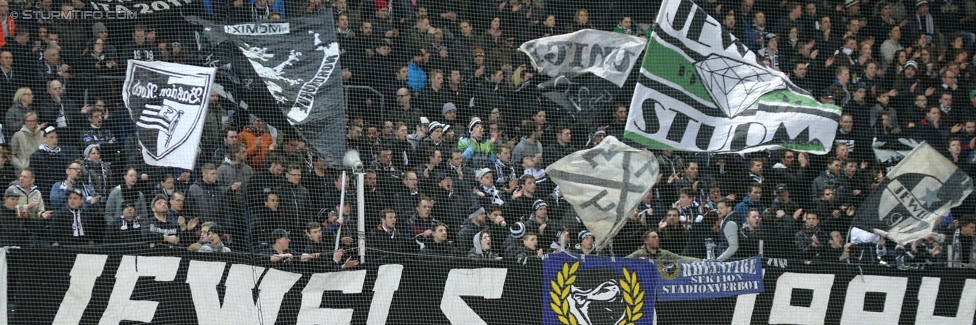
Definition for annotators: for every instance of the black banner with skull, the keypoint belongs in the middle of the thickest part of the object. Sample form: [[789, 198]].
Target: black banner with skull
[[284, 71]]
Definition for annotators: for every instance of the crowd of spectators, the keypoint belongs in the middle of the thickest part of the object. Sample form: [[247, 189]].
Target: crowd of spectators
[[457, 144]]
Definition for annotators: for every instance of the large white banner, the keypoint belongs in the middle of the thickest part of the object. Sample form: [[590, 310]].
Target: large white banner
[[606, 54], [701, 90], [604, 184], [168, 102]]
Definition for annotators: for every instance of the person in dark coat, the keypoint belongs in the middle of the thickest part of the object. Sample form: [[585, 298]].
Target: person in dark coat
[[440, 245], [73, 225], [12, 231], [128, 230], [49, 160]]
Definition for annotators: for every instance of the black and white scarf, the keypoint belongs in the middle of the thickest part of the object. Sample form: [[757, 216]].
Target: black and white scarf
[[46, 148], [126, 223], [76, 225], [492, 193]]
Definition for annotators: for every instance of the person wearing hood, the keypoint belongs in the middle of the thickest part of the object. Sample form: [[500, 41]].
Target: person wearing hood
[[26, 141], [126, 193], [482, 247], [48, 159], [95, 171]]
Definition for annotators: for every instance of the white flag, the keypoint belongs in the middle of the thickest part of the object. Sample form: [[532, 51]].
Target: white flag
[[701, 90], [604, 184], [606, 54], [168, 102]]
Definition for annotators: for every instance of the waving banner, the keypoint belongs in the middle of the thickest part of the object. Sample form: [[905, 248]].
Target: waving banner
[[606, 54], [286, 72], [914, 195], [168, 102], [604, 184], [701, 90]]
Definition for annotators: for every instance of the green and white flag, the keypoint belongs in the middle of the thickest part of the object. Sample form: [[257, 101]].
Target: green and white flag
[[701, 90]]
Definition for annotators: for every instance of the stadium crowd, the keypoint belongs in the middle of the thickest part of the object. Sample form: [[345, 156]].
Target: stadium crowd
[[457, 144]]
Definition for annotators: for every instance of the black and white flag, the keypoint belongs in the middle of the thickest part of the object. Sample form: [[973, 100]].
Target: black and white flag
[[604, 184], [606, 54], [168, 102], [286, 72], [907, 205]]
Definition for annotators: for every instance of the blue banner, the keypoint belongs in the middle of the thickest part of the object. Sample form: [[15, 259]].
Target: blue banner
[[706, 280], [597, 290]]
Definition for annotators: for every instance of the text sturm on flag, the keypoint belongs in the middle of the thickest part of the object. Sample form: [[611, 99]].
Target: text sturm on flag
[[701, 90]]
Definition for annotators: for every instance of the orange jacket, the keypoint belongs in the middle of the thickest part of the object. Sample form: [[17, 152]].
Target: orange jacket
[[11, 27], [256, 146]]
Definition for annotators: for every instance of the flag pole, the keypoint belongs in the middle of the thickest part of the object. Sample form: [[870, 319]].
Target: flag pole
[[342, 205]]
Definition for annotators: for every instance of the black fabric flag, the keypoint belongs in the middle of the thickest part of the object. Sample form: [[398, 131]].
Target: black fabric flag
[[286, 72]]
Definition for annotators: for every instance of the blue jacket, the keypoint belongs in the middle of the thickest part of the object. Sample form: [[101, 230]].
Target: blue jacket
[[742, 209], [416, 77]]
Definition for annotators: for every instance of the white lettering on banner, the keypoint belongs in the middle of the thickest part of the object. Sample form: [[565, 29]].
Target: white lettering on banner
[[203, 278], [147, 90], [346, 282], [892, 287], [131, 268], [258, 29], [306, 94], [485, 282], [387, 282], [783, 313], [584, 55], [747, 266], [711, 287], [86, 270], [928, 291]]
